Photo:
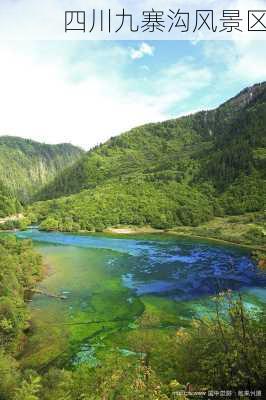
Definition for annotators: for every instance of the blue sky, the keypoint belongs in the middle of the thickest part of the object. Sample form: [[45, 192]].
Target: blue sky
[[83, 92]]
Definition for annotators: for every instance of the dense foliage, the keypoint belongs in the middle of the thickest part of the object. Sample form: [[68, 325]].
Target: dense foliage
[[9, 204], [222, 352], [20, 269], [226, 352], [125, 202], [179, 172], [26, 165]]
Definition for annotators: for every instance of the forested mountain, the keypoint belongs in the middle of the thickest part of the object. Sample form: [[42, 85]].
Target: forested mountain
[[217, 144], [181, 171], [26, 165]]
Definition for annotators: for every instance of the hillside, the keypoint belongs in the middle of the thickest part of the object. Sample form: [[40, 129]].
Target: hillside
[[9, 204], [26, 165], [179, 172]]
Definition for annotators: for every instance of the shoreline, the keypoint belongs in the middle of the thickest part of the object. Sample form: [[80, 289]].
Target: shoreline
[[131, 230], [136, 230], [257, 252], [191, 235]]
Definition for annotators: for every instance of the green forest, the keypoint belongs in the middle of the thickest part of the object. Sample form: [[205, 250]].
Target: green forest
[[180, 172], [201, 175]]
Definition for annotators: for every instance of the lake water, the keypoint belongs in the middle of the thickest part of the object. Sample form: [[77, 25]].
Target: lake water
[[109, 281]]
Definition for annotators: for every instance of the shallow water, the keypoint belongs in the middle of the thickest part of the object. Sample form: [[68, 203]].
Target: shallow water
[[109, 281]]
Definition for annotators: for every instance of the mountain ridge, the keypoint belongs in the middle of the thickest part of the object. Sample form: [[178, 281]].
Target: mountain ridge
[[25, 164], [202, 126], [182, 171]]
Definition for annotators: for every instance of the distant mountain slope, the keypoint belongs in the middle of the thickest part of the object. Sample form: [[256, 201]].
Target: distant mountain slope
[[26, 165], [217, 145], [181, 171]]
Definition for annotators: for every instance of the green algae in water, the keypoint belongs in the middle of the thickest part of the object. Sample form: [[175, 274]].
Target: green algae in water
[[86, 355], [96, 304], [109, 282]]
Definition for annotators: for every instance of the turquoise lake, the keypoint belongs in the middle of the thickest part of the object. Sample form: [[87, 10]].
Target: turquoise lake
[[109, 281]]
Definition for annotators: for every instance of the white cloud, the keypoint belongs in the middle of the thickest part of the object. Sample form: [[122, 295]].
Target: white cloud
[[244, 61], [180, 81], [250, 62], [47, 98], [83, 93], [143, 50]]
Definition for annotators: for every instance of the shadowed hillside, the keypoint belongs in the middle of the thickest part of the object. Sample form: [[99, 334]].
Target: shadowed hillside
[[26, 165]]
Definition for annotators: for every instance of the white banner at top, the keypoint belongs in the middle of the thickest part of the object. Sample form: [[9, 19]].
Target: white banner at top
[[132, 20]]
